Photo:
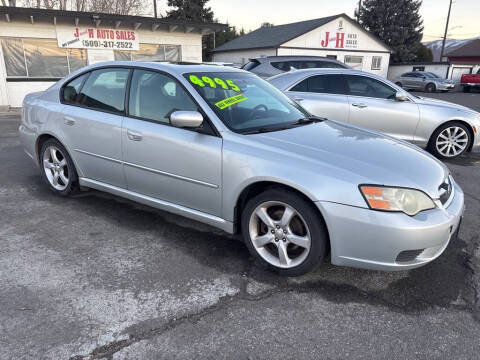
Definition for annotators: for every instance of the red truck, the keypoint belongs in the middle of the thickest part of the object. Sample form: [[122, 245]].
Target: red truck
[[469, 81]]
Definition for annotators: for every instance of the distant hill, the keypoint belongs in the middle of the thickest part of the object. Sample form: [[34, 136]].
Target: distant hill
[[436, 46]]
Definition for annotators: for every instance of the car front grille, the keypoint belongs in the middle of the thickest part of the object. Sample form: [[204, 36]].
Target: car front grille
[[408, 255], [445, 191]]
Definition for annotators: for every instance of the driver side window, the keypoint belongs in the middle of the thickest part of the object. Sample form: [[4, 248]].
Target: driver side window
[[154, 96], [369, 87]]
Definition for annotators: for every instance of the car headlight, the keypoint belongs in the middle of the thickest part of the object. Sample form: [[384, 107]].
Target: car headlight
[[384, 198]]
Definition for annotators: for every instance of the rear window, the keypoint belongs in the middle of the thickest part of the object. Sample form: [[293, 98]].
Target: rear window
[[251, 65]]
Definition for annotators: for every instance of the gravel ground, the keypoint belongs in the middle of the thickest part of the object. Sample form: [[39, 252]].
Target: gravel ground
[[95, 276]]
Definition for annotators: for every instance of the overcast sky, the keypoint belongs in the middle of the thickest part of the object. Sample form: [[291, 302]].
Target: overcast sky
[[249, 14]]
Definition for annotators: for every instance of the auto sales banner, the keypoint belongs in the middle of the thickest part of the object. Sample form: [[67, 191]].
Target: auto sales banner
[[94, 38]]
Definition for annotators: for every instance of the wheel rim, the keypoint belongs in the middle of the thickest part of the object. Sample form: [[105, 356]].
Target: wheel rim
[[452, 141], [430, 88], [56, 168], [279, 234]]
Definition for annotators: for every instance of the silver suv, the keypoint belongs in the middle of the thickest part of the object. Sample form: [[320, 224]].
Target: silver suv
[[273, 65]]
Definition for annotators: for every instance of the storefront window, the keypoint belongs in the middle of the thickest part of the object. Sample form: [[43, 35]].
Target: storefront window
[[77, 58], [151, 52], [44, 58], [14, 57], [40, 58]]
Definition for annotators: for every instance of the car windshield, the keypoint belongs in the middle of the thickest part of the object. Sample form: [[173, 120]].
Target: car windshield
[[245, 103]]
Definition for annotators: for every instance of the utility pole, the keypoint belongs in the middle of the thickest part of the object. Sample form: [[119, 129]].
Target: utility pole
[[155, 7], [446, 29]]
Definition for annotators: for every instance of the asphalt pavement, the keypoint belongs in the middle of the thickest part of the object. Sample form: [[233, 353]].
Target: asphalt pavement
[[95, 276]]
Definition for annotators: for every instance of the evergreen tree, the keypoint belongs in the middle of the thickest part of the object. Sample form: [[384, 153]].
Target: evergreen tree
[[190, 10], [424, 54], [395, 22]]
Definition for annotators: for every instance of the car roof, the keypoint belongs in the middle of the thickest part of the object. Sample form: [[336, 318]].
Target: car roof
[[293, 58], [178, 68]]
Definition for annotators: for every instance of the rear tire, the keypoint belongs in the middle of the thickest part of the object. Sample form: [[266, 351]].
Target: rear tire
[[57, 167], [450, 140], [430, 88], [284, 232]]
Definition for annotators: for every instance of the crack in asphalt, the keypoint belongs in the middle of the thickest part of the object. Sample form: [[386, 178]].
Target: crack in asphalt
[[330, 291]]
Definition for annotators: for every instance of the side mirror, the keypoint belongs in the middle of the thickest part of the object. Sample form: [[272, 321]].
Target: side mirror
[[186, 119], [399, 96]]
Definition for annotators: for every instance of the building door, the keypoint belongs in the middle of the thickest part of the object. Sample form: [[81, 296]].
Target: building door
[[457, 73]]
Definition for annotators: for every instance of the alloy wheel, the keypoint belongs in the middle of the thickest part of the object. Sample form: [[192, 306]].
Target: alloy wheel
[[452, 141], [279, 234], [56, 168]]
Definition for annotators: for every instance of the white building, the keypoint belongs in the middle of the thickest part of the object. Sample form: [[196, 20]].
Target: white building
[[337, 37], [39, 46]]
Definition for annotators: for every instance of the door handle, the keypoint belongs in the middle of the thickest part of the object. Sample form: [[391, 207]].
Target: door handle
[[361, 106], [134, 136], [69, 121]]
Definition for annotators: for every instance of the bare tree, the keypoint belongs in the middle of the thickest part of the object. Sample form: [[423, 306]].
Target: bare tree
[[122, 7]]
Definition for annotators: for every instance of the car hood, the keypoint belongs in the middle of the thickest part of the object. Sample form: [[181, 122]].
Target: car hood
[[360, 155], [442, 104]]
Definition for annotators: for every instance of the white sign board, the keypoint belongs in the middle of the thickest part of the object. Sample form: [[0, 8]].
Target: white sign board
[[338, 40], [93, 38]]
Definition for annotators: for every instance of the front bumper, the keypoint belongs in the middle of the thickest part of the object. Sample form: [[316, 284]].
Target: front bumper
[[445, 86], [377, 240]]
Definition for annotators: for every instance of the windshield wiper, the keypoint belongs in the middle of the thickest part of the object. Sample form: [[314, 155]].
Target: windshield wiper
[[308, 120], [267, 129]]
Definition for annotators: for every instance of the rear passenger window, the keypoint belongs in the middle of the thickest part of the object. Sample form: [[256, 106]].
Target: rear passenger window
[[368, 87], [70, 91], [301, 86], [105, 90], [324, 84], [154, 96]]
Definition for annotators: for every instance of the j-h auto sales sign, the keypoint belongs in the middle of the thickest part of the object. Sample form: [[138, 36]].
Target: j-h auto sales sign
[[94, 38]]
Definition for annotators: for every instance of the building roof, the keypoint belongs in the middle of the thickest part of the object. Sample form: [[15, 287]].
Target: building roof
[[274, 36], [472, 48], [105, 20]]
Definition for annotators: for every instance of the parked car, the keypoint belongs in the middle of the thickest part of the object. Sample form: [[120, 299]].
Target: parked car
[[470, 81], [424, 81], [266, 67], [224, 147], [447, 130]]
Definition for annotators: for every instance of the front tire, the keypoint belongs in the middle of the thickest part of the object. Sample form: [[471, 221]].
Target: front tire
[[58, 169], [450, 140], [284, 232], [430, 88]]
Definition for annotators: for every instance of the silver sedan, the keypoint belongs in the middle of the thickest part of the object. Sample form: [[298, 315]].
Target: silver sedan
[[447, 130], [224, 147], [424, 81]]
